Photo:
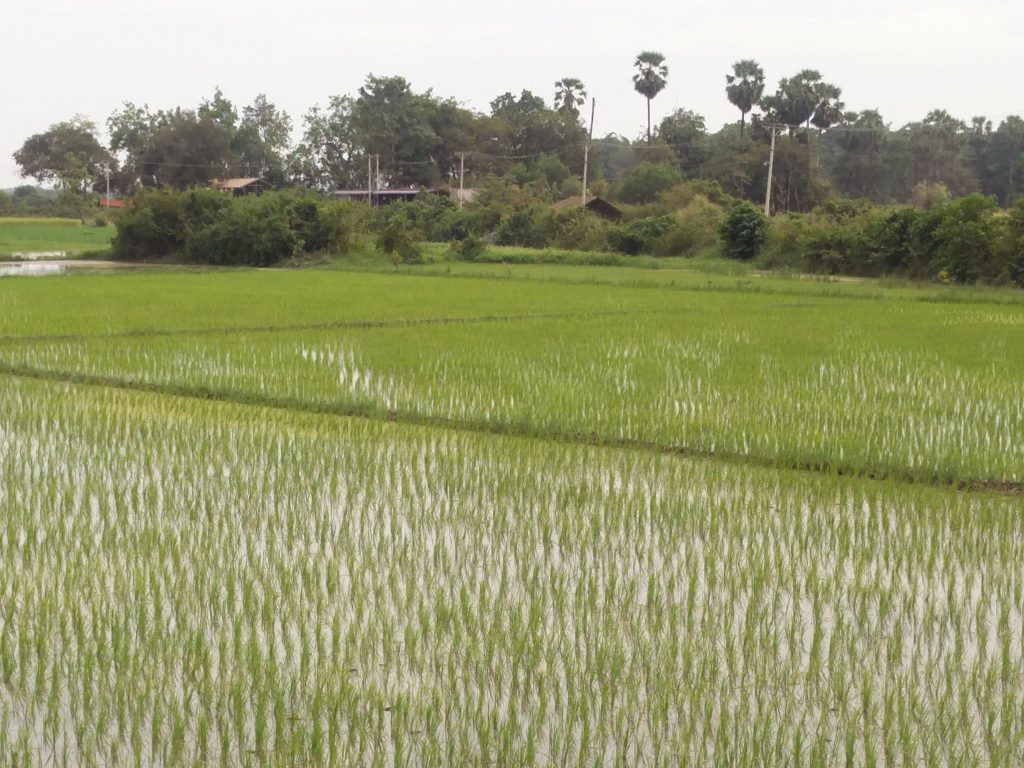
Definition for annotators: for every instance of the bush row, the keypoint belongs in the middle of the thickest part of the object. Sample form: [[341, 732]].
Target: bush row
[[957, 241], [965, 240], [209, 227]]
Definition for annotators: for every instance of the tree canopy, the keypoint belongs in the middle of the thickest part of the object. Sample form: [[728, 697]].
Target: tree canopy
[[420, 139], [68, 154]]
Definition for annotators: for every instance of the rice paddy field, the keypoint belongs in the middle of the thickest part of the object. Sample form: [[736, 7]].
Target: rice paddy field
[[26, 237], [523, 518]]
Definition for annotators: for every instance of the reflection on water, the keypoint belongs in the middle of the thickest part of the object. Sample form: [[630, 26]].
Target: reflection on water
[[38, 255], [31, 270]]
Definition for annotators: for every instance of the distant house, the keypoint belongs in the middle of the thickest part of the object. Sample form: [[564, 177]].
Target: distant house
[[378, 196], [407, 195], [595, 204], [112, 202], [241, 187]]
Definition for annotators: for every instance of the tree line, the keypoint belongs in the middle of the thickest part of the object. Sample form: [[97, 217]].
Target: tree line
[[420, 139]]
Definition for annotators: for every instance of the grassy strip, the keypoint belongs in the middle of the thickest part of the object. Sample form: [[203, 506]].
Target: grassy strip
[[702, 276], [336, 325], [506, 429], [41, 235]]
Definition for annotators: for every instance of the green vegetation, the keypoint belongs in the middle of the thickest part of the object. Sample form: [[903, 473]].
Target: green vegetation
[[936, 199], [823, 149], [208, 227], [552, 514], [743, 232], [963, 240], [33, 235]]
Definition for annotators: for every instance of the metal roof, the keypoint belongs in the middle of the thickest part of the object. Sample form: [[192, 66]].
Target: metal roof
[[235, 183]]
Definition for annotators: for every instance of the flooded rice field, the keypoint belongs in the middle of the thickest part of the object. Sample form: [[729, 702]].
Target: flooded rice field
[[686, 537]]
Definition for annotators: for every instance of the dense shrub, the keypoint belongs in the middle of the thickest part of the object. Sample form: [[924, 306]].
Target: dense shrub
[[834, 247], [470, 248], [530, 227], [253, 231], [578, 229], [892, 246], [964, 241], [1013, 243], [696, 227], [743, 232], [153, 227], [681, 195], [209, 227], [639, 235], [400, 238], [927, 195]]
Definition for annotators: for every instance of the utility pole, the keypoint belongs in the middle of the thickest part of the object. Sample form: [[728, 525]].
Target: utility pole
[[106, 172], [771, 168], [462, 175], [376, 176], [586, 150], [369, 181]]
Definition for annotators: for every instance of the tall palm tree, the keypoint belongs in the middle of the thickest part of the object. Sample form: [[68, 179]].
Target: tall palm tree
[[649, 80], [570, 93], [829, 109], [744, 87]]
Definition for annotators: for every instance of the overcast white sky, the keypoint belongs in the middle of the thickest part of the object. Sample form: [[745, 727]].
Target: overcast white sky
[[903, 57]]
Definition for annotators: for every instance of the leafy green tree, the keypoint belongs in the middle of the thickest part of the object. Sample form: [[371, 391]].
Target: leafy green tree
[[533, 129], [570, 94], [68, 153], [743, 231], [329, 155], [650, 79], [964, 240], [131, 129], [465, 136], [221, 111], [1005, 160], [647, 181], [262, 141], [939, 153], [187, 150], [392, 121], [744, 87], [685, 132], [738, 163], [860, 164], [612, 156]]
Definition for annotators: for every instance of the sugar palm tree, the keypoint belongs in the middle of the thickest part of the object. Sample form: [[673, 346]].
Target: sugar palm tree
[[829, 110], [649, 80], [570, 93], [744, 87]]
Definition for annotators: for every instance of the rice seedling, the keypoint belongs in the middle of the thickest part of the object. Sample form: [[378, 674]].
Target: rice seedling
[[891, 399], [711, 555], [208, 583]]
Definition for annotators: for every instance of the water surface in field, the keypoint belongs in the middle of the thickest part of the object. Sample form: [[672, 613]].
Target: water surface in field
[[32, 269], [44, 267], [36, 255]]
